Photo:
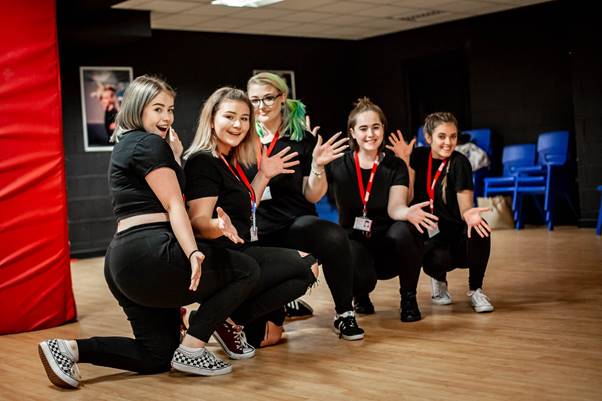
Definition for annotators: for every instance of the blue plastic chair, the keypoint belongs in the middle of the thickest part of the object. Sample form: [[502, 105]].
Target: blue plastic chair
[[543, 179], [599, 225], [513, 157]]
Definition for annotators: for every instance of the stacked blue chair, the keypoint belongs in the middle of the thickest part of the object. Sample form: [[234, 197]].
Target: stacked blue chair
[[513, 157], [544, 178], [599, 225], [326, 211], [420, 141]]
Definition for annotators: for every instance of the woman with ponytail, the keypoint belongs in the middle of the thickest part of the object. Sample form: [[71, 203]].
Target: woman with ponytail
[[370, 188], [287, 216]]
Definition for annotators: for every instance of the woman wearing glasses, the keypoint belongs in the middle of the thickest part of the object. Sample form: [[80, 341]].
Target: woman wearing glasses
[[371, 188], [287, 215]]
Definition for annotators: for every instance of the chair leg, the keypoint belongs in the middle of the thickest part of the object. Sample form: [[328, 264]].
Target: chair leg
[[518, 213]]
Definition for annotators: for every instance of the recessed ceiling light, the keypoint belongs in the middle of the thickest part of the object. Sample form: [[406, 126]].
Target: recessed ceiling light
[[244, 3]]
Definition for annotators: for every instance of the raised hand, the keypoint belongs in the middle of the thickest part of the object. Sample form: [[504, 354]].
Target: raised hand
[[314, 131], [419, 217], [279, 163], [399, 146], [227, 228], [196, 261], [175, 144], [473, 219], [326, 152]]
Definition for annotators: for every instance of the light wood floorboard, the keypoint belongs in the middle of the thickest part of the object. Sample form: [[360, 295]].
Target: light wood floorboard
[[543, 342]]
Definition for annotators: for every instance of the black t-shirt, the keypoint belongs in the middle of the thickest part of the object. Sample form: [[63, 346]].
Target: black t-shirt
[[133, 157], [458, 175], [208, 176], [288, 201], [343, 179]]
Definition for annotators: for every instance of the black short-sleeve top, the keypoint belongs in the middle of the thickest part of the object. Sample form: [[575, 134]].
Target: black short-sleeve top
[[457, 176], [209, 176], [135, 155], [288, 201], [342, 178]]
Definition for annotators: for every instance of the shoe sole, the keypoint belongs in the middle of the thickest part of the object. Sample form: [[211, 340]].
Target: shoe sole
[[414, 319], [442, 302], [349, 338], [54, 373], [232, 355], [199, 371], [484, 309]]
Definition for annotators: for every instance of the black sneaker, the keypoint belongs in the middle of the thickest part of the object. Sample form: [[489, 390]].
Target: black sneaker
[[298, 309], [363, 305], [409, 308], [346, 327]]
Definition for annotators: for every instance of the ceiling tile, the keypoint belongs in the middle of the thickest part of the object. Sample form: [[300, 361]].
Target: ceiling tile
[[212, 10], [301, 4], [262, 13], [181, 19], [168, 6], [132, 4], [382, 11], [345, 19], [344, 7], [305, 16]]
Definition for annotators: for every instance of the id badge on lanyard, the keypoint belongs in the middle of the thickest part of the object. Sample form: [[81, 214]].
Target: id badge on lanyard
[[267, 193], [254, 235], [242, 177], [363, 223], [430, 189]]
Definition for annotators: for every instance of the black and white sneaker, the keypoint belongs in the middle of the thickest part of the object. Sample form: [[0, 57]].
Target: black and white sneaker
[[59, 363], [347, 328], [298, 309], [201, 362]]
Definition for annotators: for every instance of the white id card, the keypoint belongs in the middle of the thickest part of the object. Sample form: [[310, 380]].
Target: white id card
[[362, 224], [434, 231], [254, 236], [267, 194]]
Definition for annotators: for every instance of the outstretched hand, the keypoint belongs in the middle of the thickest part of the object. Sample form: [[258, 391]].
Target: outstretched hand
[[419, 217], [328, 151], [473, 219], [399, 146], [196, 261], [314, 130], [279, 163], [226, 227]]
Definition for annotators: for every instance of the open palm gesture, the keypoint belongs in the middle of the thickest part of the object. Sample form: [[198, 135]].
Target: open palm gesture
[[326, 152], [473, 219], [227, 228], [280, 163], [399, 146], [419, 217]]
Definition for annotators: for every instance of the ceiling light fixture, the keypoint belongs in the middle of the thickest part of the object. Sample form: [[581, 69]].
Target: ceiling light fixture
[[244, 3]]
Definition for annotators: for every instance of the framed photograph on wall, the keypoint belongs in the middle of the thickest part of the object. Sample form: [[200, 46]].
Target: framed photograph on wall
[[289, 77], [102, 90]]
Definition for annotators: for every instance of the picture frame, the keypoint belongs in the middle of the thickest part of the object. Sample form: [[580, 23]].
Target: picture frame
[[289, 77], [102, 90]]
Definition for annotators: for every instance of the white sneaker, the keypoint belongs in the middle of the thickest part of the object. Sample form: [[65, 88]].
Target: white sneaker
[[59, 363], [201, 362], [441, 295], [479, 301]]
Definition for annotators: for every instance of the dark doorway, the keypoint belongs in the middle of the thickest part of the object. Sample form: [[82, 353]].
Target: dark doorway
[[438, 83]]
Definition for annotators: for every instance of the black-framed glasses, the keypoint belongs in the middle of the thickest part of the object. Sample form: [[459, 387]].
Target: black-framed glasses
[[267, 101]]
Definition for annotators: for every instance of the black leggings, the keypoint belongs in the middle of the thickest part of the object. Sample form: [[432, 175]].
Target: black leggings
[[149, 275], [453, 249], [326, 241], [396, 252]]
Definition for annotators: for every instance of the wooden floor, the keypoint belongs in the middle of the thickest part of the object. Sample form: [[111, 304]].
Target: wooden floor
[[543, 342]]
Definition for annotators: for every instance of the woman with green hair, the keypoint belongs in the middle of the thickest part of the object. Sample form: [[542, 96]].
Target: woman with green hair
[[287, 215]]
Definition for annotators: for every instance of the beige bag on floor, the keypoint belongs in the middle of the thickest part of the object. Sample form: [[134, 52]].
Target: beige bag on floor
[[500, 216]]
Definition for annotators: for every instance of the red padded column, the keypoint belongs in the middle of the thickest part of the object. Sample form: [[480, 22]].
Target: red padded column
[[35, 277]]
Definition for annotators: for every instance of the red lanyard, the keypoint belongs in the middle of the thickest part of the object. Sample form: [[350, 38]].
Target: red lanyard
[[430, 185], [360, 182], [270, 148], [241, 176]]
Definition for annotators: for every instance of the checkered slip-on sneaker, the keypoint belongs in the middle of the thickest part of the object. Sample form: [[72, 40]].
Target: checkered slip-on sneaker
[[233, 341], [59, 363], [202, 363]]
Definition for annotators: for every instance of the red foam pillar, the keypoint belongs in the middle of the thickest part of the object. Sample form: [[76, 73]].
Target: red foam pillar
[[35, 277]]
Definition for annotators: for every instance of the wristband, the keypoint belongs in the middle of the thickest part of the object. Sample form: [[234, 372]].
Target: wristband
[[192, 253]]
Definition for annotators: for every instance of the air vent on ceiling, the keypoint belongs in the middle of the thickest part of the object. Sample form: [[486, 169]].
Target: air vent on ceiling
[[418, 16]]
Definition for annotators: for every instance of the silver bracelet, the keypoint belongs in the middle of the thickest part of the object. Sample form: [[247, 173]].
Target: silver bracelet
[[316, 172]]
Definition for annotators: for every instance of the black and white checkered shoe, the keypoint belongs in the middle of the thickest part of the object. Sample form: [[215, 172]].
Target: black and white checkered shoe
[[59, 363], [202, 363]]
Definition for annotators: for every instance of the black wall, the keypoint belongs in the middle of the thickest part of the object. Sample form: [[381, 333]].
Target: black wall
[[519, 72]]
